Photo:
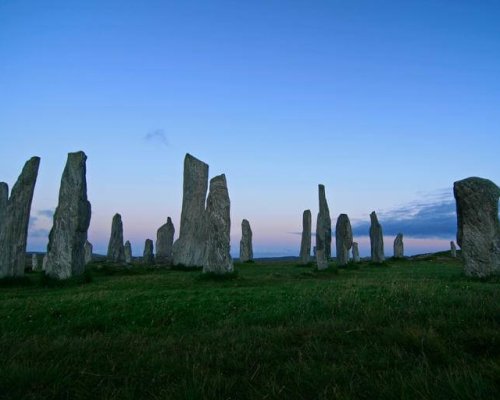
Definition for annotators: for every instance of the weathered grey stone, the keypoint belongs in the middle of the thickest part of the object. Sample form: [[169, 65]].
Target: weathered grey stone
[[66, 248], [376, 239], [399, 246], [88, 249], [453, 249], [478, 232], [44, 262], [355, 252], [246, 249], [116, 252], [34, 262], [164, 242], [4, 200], [305, 243], [148, 255], [189, 248], [343, 239], [218, 222], [128, 252], [14, 229], [323, 231]]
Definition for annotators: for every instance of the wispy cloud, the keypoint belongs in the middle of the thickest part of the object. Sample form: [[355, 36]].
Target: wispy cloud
[[39, 233], [157, 135], [45, 213]]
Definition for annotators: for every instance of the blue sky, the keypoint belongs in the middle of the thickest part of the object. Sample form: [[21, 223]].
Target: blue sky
[[385, 102]]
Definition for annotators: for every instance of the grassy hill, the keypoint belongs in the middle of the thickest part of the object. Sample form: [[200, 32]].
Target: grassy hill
[[407, 329]]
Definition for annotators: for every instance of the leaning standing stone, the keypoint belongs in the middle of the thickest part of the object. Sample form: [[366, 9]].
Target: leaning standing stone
[[246, 249], [343, 239], [148, 255], [217, 254], [376, 239], [66, 253], [399, 246], [115, 247], [164, 242], [34, 262], [128, 252], [88, 252], [305, 244], [453, 249], [14, 228], [478, 226], [355, 252]]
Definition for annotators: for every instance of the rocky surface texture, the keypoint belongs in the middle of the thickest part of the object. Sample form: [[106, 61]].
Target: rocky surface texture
[[88, 249], [305, 243], [376, 239], [323, 231], [246, 249], [164, 242], [355, 252], [34, 262], [453, 249], [116, 251], [4, 200], [399, 251], [478, 232], [343, 239], [148, 257]]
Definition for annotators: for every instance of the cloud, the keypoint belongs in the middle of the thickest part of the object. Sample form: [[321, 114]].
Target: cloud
[[39, 233], [157, 135], [45, 213]]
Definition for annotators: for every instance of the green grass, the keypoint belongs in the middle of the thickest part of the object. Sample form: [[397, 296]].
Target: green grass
[[401, 330]]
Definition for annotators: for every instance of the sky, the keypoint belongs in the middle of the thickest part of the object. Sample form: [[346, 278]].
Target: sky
[[386, 103]]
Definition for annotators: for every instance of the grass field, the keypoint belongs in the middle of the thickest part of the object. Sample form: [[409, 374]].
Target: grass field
[[403, 330]]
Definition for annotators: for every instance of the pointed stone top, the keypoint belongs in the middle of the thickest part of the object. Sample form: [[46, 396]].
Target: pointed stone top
[[373, 217], [127, 243], [117, 216], [169, 220], [190, 158]]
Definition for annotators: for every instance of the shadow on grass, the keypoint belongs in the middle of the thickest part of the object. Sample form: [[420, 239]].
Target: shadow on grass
[[214, 277], [10, 281], [49, 282]]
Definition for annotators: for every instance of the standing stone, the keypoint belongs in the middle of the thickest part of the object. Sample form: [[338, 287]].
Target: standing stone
[[246, 249], [44, 262], [376, 239], [14, 228], [164, 242], [453, 249], [4, 200], [128, 252], [323, 231], [218, 221], [189, 248], [343, 239], [478, 232], [305, 244], [148, 255], [66, 248], [355, 252], [116, 252], [399, 246], [88, 252], [34, 262]]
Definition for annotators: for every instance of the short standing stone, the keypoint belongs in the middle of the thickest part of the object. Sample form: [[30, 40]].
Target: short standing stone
[[343, 239], [217, 216], [189, 248], [478, 225], [148, 255], [376, 239], [453, 249], [66, 248], [305, 244], [128, 252], [14, 227], [355, 252], [88, 252], [246, 249], [44, 262], [34, 262], [164, 242], [116, 251], [399, 246]]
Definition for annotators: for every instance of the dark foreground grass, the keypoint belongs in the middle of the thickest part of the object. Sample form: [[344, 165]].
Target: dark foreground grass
[[401, 330]]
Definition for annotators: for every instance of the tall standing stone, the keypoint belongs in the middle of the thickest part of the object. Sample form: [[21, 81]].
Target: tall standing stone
[[189, 248], [148, 255], [65, 251], [246, 249], [128, 252], [164, 242], [376, 239], [355, 252], [14, 228], [399, 246], [343, 239], [4, 200], [88, 252], [323, 231], [34, 262], [218, 222], [305, 243], [116, 251], [478, 232], [453, 249]]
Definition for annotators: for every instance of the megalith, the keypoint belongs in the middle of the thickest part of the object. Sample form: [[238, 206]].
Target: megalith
[[164, 242], [88, 249], [399, 246], [376, 239], [148, 254], [14, 227], [453, 249], [246, 249], [355, 252], [116, 251], [4, 200], [127, 249], [343, 239], [189, 248], [323, 231], [34, 262], [478, 232], [66, 248], [217, 257], [305, 243]]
